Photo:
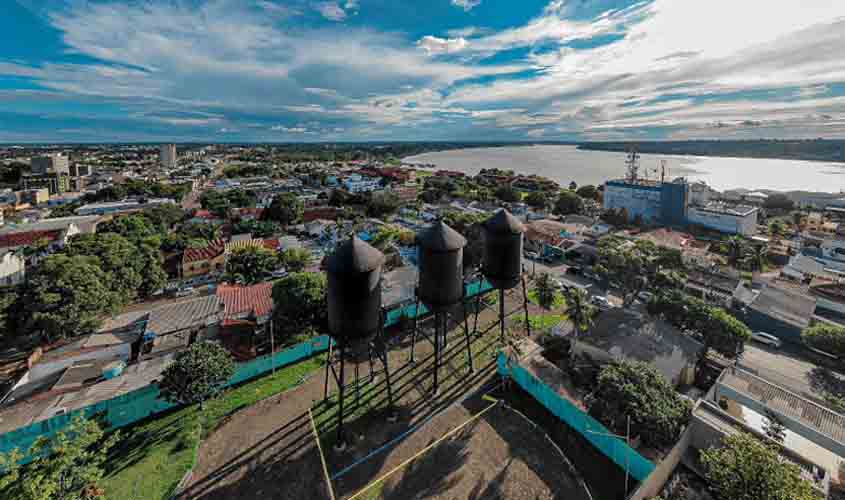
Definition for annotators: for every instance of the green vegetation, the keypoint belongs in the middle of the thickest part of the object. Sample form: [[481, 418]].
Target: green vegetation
[[636, 390], [382, 204], [588, 192], [778, 201], [746, 468], [154, 455], [219, 202], [300, 300], [197, 374], [286, 209], [251, 264], [132, 187], [800, 149], [579, 310], [538, 199], [67, 467], [568, 203], [507, 194], [827, 338], [295, 260], [257, 228], [720, 330]]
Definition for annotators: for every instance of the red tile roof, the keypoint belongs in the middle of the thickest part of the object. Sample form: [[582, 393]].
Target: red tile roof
[[205, 214], [272, 244], [239, 300], [12, 240], [214, 249]]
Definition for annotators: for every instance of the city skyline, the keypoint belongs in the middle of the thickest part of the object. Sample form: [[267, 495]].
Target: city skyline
[[460, 70]]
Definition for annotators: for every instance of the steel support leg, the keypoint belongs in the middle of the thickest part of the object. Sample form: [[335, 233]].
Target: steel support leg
[[525, 306], [414, 334], [502, 315], [466, 336], [341, 440]]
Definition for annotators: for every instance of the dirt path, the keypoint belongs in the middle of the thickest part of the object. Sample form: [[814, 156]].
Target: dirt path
[[268, 450]]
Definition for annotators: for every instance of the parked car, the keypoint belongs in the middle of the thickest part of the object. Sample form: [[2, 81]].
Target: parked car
[[601, 302], [645, 296], [573, 270], [279, 273], [532, 255], [184, 291], [768, 339]]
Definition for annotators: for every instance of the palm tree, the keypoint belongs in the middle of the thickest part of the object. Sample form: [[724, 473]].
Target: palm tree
[[546, 292], [757, 257], [736, 246], [579, 310]]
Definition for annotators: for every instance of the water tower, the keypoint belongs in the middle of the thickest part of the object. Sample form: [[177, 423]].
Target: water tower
[[504, 237], [355, 315], [441, 286]]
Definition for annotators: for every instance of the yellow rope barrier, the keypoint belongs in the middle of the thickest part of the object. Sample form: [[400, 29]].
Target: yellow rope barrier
[[322, 457], [432, 445]]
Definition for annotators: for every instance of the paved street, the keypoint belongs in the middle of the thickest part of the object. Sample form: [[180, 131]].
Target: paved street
[[784, 368]]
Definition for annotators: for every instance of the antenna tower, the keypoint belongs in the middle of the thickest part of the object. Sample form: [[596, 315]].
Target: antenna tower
[[633, 163]]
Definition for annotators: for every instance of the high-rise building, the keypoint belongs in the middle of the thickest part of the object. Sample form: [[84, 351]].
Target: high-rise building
[[167, 155], [54, 163], [81, 170]]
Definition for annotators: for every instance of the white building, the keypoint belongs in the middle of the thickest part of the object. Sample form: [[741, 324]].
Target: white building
[[724, 218], [167, 155], [357, 183], [12, 269]]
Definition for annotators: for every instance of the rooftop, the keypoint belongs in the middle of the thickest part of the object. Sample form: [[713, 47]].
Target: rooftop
[[718, 207], [239, 301], [50, 224], [789, 306]]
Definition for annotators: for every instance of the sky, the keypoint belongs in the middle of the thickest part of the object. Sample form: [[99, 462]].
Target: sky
[[414, 70]]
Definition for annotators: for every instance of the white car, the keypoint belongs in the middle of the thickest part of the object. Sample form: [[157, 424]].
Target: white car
[[185, 291], [602, 302], [765, 338]]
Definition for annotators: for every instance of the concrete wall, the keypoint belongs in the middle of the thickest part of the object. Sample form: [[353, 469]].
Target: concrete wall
[[725, 223], [645, 201], [654, 483]]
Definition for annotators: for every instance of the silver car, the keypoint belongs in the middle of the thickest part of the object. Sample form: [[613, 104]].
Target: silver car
[[768, 339]]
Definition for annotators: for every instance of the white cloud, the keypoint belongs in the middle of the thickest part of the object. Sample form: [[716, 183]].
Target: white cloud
[[289, 130], [331, 11], [467, 5], [434, 45]]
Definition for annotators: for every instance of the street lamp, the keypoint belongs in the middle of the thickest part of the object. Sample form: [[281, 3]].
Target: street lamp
[[627, 438]]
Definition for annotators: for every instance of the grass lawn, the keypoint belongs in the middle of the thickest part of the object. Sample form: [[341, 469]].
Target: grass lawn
[[545, 322], [154, 455]]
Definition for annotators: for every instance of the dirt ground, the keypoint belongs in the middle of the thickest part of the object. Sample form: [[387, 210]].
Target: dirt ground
[[268, 450]]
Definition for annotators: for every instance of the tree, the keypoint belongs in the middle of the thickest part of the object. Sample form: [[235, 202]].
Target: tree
[[251, 264], [774, 428], [164, 216], [257, 228], [637, 390], [756, 257], [736, 249], [122, 260], [134, 227], [296, 259], [746, 468], [286, 209], [300, 300], [68, 467], [827, 338], [573, 186], [507, 194], [546, 292], [778, 201], [628, 267], [777, 228], [588, 192], [382, 204], [568, 203], [197, 374], [579, 310], [67, 296], [537, 199]]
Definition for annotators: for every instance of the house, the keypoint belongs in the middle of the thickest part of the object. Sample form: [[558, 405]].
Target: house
[[205, 217], [207, 260], [236, 244], [547, 236], [356, 183], [317, 228], [316, 213], [620, 334], [778, 309], [246, 315], [56, 232], [12, 269]]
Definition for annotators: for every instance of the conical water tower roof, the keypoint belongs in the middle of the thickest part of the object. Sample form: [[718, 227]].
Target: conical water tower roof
[[354, 256], [503, 222], [441, 238]]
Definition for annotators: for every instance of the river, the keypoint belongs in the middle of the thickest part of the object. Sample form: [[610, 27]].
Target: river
[[568, 163]]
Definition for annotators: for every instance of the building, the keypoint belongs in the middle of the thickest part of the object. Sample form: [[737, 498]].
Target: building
[[54, 163], [81, 170], [116, 207], [652, 202], [167, 155], [55, 183], [12, 269], [207, 260], [776, 310], [357, 183], [36, 196], [737, 219]]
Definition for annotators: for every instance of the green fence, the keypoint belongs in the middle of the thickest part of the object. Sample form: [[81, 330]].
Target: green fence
[[614, 448], [410, 310], [139, 404]]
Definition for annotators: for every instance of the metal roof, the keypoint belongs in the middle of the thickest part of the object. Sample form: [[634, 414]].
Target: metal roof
[[503, 222], [814, 416], [441, 238], [354, 255]]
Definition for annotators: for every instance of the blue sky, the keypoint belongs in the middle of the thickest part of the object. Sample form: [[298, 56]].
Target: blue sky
[[332, 70]]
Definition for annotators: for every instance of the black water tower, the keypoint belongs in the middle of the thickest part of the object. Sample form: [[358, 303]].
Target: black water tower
[[441, 266], [354, 290], [503, 241]]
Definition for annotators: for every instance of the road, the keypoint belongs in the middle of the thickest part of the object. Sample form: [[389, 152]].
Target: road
[[786, 369]]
